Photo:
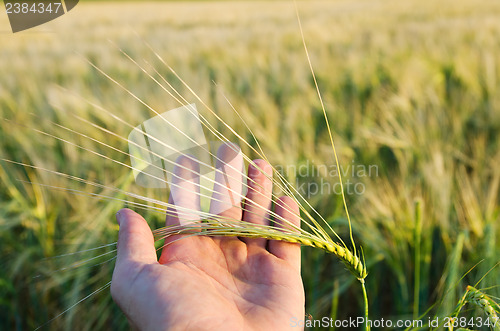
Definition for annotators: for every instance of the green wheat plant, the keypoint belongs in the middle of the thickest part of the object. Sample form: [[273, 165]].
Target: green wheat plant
[[486, 304]]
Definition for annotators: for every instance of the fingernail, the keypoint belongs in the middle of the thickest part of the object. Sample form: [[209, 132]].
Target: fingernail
[[119, 217], [252, 171]]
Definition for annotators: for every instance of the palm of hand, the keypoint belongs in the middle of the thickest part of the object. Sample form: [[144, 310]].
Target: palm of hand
[[230, 287]]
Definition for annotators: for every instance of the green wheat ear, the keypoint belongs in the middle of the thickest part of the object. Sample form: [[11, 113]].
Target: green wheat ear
[[484, 302], [241, 229]]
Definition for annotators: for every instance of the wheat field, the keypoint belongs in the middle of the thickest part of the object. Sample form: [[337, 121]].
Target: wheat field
[[412, 94]]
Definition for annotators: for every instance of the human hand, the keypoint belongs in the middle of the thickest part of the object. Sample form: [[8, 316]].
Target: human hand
[[210, 283]]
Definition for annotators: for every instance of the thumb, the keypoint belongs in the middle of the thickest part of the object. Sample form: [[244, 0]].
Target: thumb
[[135, 239]]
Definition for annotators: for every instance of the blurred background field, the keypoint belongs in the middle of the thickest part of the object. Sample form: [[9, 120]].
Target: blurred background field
[[410, 87]]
